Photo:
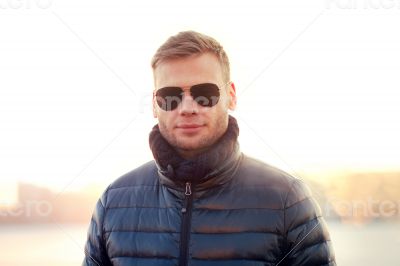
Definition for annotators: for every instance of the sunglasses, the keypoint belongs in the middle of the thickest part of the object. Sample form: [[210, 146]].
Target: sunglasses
[[205, 94]]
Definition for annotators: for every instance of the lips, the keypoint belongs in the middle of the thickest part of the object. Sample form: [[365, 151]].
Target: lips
[[184, 126], [189, 128]]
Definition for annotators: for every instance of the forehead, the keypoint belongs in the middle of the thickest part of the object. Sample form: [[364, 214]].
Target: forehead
[[188, 71]]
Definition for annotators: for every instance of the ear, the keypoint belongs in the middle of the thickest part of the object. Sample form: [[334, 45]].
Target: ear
[[232, 96], [154, 107]]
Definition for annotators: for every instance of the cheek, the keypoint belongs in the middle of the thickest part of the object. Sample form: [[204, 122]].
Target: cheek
[[166, 118], [224, 99]]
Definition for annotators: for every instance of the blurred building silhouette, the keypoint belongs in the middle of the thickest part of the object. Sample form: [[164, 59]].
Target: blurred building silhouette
[[41, 205]]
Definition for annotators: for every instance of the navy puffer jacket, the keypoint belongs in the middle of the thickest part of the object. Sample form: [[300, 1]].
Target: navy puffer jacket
[[251, 214]]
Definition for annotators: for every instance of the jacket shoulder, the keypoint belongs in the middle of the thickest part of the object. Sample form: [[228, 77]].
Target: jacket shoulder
[[255, 172], [127, 189], [143, 175]]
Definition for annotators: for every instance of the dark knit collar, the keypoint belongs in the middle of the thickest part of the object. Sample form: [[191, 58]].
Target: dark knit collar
[[203, 166]]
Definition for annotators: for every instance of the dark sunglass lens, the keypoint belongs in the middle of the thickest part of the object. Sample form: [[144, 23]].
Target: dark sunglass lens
[[169, 98], [206, 94]]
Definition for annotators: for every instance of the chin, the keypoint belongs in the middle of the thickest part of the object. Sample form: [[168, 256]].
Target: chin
[[194, 143]]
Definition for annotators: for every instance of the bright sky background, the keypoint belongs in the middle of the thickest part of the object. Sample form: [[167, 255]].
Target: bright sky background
[[317, 83]]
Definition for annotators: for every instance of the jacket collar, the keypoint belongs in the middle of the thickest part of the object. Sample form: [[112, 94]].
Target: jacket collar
[[212, 168], [217, 177]]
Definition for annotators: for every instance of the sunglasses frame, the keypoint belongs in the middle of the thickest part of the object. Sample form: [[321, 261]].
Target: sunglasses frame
[[171, 102]]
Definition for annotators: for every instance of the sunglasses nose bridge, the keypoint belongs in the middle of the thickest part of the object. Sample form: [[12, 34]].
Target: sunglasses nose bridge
[[186, 93], [188, 104]]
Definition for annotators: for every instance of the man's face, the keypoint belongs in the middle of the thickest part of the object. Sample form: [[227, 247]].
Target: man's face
[[192, 128]]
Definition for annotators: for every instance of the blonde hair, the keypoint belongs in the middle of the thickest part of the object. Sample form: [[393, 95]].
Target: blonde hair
[[187, 43]]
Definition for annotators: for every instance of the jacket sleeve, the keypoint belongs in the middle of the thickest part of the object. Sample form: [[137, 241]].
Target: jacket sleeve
[[95, 251], [307, 237]]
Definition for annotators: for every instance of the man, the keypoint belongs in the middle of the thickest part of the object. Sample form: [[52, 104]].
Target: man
[[201, 201]]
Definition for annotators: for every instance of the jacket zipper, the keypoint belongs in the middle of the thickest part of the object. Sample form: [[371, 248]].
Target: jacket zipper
[[185, 227]]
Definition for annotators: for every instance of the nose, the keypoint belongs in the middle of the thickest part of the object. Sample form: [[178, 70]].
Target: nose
[[188, 105]]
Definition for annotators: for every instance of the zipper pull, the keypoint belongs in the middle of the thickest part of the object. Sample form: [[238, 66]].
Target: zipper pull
[[188, 191]]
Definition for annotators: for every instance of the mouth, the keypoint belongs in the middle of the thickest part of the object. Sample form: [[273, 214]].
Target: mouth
[[189, 128]]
